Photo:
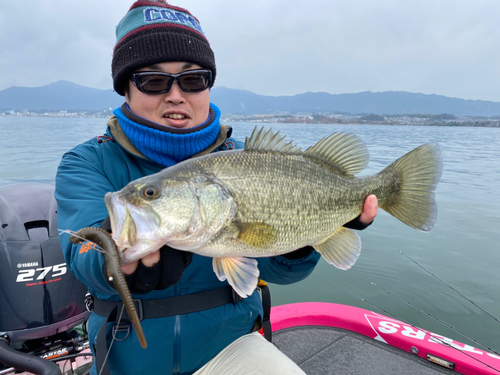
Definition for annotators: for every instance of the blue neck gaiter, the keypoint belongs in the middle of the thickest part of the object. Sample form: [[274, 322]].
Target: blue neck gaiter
[[164, 145]]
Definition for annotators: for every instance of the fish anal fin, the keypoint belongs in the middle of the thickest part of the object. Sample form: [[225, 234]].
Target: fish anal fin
[[240, 272], [341, 153], [341, 249], [259, 235]]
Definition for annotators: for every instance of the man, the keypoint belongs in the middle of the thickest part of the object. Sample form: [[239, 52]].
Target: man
[[164, 66]]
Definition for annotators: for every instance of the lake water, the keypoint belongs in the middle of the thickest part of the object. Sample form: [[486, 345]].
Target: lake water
[[463, 249]]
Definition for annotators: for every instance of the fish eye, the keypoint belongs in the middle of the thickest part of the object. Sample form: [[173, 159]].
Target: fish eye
[[150, 192]]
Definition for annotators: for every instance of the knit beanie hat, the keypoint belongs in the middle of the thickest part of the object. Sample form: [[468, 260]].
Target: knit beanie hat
[[154, 32]]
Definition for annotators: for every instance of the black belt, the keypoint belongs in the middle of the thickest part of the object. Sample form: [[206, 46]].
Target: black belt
[[155, 308], [178, 305]]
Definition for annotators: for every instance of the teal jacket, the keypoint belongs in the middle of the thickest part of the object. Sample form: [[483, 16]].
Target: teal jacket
[[179, 344]]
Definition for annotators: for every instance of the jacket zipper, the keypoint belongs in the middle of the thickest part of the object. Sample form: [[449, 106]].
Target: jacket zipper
[[177, 338]]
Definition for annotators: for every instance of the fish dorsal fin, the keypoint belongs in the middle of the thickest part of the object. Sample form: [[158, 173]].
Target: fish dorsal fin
[[270, 142], [341, 153]]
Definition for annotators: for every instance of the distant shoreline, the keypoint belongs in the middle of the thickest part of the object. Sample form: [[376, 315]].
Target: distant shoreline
[[392, 120], [403, 120], [470, 125]]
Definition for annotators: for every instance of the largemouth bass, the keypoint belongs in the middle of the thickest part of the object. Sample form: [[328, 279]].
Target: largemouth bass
[[269, 199]]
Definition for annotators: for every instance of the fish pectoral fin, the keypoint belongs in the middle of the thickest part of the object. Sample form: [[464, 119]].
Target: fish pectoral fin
[[257, 235], [240, 272], [341, 249]]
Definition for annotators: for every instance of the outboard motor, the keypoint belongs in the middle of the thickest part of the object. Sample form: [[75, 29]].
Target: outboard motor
[[42, 304]]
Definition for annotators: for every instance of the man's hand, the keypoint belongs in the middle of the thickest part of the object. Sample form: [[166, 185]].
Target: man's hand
[[370, 209], [149, 261], [156, 271]]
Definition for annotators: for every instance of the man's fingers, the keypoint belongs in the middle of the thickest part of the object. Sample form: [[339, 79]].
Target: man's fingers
[[370, 209], [130, 268], [151, 259]]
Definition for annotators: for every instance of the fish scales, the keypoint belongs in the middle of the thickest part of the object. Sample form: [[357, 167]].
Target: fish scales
[[301, 200], [269, 199]]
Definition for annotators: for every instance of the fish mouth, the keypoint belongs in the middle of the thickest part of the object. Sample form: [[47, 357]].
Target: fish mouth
[[131, 225]]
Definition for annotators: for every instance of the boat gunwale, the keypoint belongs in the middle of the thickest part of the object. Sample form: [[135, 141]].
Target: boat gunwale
[[387, 330]]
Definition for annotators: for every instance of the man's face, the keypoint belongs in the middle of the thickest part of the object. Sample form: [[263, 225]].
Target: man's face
[[176, 109]]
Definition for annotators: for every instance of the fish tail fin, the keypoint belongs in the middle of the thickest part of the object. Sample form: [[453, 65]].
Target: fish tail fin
[[415, 177]]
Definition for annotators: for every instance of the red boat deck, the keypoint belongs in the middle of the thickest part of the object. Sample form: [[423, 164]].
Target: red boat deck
[[327, 338]]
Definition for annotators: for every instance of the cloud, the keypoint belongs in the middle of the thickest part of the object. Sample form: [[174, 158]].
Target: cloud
[[52, 40], [446, 47]]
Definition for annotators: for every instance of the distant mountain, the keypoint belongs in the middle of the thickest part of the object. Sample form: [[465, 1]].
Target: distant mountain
[[63, 95], [381, 103]]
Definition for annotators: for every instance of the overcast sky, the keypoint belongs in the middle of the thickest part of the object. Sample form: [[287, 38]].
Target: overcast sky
[[276, 47]]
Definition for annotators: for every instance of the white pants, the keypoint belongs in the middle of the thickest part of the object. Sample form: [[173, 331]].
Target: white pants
[[250, 354]]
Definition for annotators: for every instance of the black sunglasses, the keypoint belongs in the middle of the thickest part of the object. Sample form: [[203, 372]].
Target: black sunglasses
[[156, 83]]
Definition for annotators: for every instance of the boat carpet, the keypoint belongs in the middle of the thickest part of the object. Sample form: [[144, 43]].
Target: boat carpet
[[322, 350]]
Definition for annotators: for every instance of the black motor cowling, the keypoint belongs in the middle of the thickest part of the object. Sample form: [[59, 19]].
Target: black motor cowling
[[39, 296]]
